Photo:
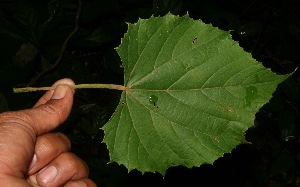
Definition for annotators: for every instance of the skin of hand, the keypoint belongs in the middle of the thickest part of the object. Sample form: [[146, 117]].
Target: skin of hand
[[30, 155]]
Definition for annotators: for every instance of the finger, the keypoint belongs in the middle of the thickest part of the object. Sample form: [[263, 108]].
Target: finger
[[18, 130], [51, 114], [66, 167], [47, 148], [47, 96], [85, 182], [82, 182]]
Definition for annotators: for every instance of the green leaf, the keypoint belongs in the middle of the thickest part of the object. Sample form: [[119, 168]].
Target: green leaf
[[192, 92]]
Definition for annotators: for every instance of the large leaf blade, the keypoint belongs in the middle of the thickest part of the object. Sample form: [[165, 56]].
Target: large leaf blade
[[207, 88]]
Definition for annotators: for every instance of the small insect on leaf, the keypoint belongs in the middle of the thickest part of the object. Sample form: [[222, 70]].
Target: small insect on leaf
[[153, 100]]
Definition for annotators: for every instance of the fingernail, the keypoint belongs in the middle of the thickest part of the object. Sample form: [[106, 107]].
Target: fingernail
[[48, 175], [32, 179], [33, 162], [76, 184], [59, 92]]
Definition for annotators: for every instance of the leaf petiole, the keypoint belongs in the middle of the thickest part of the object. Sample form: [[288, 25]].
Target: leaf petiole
[[79, 86]]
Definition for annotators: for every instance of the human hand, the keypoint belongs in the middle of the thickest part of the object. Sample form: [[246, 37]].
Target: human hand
[[30, 155]]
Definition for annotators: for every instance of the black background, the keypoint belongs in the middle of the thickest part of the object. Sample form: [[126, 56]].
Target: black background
[[32, 33]]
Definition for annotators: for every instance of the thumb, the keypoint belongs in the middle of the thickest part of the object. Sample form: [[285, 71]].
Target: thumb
[[49, 115]]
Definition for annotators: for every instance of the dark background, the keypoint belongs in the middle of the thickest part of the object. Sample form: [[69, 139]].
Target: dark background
[[32, 37]]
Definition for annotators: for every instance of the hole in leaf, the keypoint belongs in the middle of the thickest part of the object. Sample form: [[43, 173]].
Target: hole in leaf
[[194, 40]]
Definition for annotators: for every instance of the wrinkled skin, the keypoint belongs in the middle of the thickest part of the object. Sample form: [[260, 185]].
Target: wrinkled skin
[[30, 155]]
